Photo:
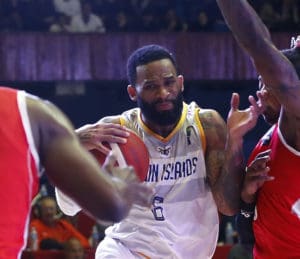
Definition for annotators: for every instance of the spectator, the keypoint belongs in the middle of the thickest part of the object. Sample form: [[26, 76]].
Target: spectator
[[68, 7], [120, 22], [290, 15], [269, 16], [87, 21], [139, 6], [53, 231], [73, 249], [108, 9], [201, 23], [172, 22], [148, 22]]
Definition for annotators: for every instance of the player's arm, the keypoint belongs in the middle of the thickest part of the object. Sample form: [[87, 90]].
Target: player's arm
[[91, 137], [72, 169], [256, 174], [276, 70], [223, 180], [224, 154], [107, 129]]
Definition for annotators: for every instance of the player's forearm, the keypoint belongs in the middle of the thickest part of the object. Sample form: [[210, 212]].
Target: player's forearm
[[239, 15], [231, 172]]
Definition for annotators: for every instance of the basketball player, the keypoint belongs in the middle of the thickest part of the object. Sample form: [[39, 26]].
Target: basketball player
[[35, 135], [192, 176], [276, 226]]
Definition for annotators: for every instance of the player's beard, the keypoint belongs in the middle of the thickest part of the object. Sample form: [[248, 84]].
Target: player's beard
[[163, 118]]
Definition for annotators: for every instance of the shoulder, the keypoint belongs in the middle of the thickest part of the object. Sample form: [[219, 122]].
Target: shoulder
[[211, 120], [111, 119], [214, 127]]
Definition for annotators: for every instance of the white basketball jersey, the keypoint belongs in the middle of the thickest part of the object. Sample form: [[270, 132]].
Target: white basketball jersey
[[183, 220]]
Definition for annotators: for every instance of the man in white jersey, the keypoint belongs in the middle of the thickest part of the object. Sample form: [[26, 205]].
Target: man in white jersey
[[194, 163]]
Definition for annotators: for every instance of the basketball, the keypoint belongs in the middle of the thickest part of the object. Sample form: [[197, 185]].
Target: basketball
[[132, 153]]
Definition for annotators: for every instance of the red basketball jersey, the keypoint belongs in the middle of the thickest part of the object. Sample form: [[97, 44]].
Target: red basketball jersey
[[18, 173], [277, 222]]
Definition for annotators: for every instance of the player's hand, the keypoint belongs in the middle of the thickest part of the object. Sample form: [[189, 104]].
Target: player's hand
[[239, 122], [256, 175], [92, 136], [128, 184], [125, 173]]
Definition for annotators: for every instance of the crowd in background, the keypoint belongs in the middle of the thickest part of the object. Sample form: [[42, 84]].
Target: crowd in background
[[135, 15]]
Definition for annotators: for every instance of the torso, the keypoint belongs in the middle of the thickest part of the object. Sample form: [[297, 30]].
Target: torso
[[183, 221], [19, 177], [277, 225]]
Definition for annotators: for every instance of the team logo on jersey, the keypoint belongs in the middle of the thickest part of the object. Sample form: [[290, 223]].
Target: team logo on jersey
[[164, 151]]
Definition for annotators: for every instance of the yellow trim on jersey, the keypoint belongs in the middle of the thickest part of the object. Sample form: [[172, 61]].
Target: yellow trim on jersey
[[201, 130], [173, 132], [122, 121]]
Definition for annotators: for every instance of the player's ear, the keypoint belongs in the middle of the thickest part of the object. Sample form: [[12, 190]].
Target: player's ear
[[131, 92], [181, 82]]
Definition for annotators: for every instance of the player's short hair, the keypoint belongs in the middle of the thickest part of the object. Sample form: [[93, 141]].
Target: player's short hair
[[145, 55]]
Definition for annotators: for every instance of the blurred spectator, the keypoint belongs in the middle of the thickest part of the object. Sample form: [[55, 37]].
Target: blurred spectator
[[68, 7], [62, 23], [172, 22], [108, 9], [121, 22], [148, 22], [52, 231], [139, 6], [290, 15], [202, 16], [87, 21], [269, 15], [73, 249], [224, 220], [201, 23]]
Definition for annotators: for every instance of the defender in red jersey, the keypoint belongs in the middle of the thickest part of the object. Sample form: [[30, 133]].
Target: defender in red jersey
[[34, 135], [272, 178]]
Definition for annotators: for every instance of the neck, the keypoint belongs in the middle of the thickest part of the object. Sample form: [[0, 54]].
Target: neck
[[160, 130]]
